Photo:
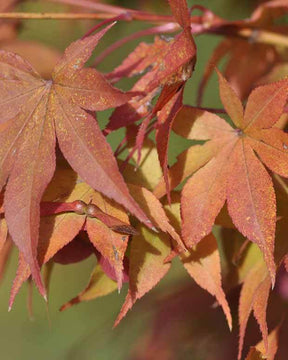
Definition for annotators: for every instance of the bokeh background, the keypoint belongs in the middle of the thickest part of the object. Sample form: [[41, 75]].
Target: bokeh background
[[85, 331]]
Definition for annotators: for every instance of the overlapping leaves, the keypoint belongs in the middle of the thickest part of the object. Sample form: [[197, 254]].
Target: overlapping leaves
[[33, 112]]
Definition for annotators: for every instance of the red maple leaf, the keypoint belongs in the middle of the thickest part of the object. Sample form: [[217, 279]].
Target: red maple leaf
[[34, 112]]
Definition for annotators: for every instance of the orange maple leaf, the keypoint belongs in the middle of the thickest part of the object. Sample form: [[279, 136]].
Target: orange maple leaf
[[227, 168]]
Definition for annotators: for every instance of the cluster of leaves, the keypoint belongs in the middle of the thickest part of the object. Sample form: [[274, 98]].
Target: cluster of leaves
[[66, 196]]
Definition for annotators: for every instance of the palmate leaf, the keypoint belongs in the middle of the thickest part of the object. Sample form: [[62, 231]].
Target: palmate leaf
[[57, 231], [37, 111], [233, 172]]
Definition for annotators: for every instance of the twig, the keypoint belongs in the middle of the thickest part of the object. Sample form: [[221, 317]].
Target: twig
[[151, 18], [256, 35]]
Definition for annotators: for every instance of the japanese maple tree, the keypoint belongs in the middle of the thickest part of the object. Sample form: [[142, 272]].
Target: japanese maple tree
[[221, 208]]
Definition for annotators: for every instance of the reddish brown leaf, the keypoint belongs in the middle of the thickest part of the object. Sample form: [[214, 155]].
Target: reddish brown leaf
[[254, 297], [272, 147], [180, 11], [251, 201], [204, 195], [166, 117], [23, 273], [28, 143], [31, 173], [110, 244], [57, 231], [265, 105], [203, 265], [170, 64], [147, 267], [203, 262]]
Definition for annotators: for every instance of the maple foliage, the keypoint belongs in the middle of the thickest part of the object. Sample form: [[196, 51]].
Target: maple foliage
[[234, 172], [48, 101], [216, 209]]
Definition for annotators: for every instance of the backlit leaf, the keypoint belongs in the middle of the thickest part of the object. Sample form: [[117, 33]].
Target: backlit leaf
[[99, 285], [149, 250]]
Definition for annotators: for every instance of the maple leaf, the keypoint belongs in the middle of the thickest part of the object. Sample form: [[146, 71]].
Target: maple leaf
[[39, 111], [257, 283], [203, 262], [40, 56], [234, 172], [166, 116], [168, 63], [259, 352], [254, 297], [99, 285], [273, 339], [149, 250], [57, 232]]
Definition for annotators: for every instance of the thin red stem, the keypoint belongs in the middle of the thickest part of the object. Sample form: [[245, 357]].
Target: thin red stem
[[124, 16], [52, 208]]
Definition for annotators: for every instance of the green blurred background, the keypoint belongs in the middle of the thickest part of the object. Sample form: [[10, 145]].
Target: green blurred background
[[85, 331]]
